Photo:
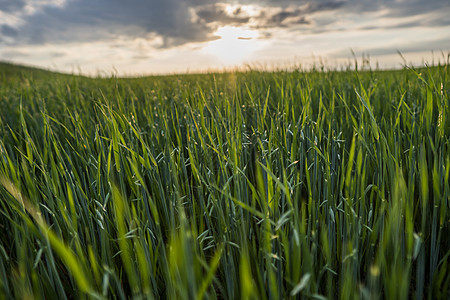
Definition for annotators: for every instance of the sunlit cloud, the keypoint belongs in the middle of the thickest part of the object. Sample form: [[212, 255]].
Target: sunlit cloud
[[235, 44]]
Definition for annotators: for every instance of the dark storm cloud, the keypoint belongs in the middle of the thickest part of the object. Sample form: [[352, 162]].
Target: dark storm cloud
[[178, 22]]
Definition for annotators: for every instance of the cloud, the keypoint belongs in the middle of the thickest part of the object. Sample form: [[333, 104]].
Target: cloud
[[86, 20], [8, 31], [408, 8], [405, 47], [12, 5], [428, 23], [291, 16], [283, 18], [178, 22], [218, 13], [264, 16], [14, 54]]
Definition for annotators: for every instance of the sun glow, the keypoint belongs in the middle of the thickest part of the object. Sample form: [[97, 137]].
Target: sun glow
[[235, 44]]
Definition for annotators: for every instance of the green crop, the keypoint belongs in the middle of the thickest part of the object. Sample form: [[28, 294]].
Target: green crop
[[251, 185]]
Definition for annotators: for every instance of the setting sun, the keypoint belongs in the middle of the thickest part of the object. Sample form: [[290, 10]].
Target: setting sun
[[234, 45]]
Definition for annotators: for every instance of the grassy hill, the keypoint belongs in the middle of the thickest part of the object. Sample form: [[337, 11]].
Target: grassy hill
[[259, 185]]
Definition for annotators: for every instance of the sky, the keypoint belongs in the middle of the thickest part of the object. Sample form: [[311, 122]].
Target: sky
[[140, 37]]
